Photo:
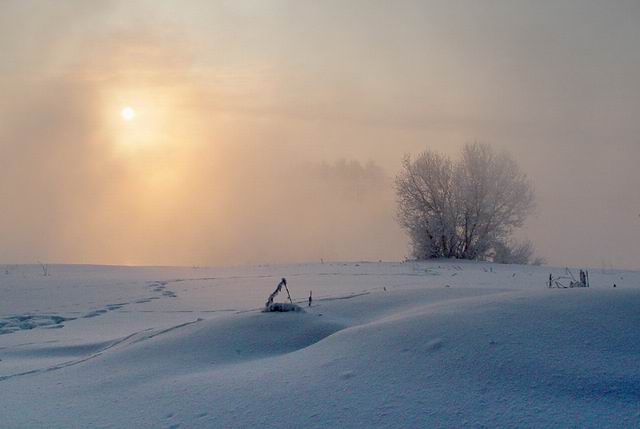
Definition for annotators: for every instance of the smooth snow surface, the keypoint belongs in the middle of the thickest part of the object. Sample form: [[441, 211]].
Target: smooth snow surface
[[412, 345]]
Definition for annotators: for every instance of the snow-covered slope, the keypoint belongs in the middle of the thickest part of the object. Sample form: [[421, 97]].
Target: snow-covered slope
[[384, 345]]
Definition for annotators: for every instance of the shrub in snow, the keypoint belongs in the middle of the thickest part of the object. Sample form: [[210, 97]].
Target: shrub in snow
[[514, 252], [282, 307]]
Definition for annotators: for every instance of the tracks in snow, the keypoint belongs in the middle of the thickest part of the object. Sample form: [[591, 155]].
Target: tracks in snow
[[134, 338]]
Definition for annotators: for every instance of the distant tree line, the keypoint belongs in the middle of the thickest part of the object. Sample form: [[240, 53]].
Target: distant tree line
[[466, 208]]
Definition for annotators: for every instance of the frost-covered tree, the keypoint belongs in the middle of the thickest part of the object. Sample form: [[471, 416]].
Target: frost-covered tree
[[466, 208]]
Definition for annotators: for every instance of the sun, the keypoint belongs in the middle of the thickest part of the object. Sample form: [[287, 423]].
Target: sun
[[128, 113]]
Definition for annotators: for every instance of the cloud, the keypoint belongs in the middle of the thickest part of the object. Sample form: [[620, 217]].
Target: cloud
[[245, 112], [188, 189]]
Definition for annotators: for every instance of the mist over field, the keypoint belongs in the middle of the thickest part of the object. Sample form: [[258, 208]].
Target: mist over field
[[271, 131], [334, 214]]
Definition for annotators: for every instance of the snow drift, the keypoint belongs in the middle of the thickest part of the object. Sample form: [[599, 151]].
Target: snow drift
[[384, 345]]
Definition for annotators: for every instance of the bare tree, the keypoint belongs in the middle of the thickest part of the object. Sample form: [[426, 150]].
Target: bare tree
[[465, 209], [426, 198]]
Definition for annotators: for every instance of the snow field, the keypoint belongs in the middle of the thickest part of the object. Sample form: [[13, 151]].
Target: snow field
[[439, 344]]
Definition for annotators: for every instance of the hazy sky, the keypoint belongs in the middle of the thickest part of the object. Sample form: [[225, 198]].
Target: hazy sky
[[270, 131]]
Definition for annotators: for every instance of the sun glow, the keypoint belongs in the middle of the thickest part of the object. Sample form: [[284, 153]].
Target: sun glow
[[128, 113]]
